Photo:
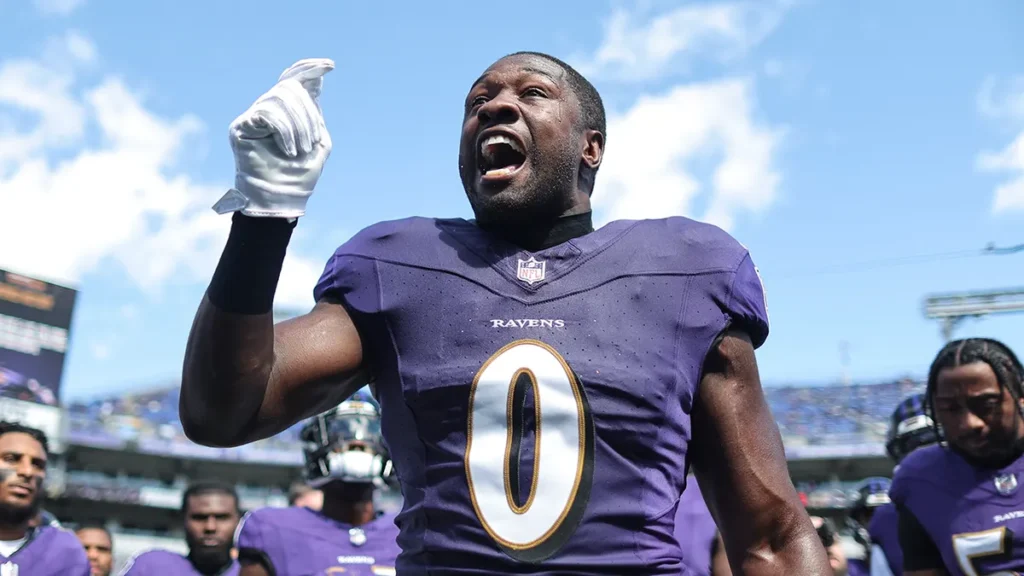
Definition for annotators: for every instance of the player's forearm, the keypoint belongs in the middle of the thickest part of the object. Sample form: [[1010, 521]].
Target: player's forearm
[[796, 550], [229, 359]]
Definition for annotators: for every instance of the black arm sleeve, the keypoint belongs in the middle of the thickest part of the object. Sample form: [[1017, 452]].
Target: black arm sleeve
[[919, 551]]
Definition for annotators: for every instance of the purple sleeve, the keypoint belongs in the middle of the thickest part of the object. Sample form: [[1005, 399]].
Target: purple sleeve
[[250, 542], [747, 306], [70, 552], [136, 566], [349, 279], [248, 534], [80, 566]]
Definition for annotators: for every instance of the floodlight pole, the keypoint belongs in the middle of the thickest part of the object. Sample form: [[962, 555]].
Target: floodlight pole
[[952, 309]]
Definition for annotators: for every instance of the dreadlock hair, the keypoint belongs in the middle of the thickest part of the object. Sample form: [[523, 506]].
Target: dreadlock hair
[[16, 427], [591, 106], [1004, 363]]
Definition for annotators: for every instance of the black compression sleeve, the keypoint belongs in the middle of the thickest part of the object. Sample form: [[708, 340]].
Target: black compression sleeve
[[919, 550], [250, 266]]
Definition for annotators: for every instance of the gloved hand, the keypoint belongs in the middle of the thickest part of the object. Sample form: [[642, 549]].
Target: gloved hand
[[280, 145]]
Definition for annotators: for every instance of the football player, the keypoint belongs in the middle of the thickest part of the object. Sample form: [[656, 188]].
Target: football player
[[542, 383], [99, 547], [960, 505], [26, 548], [695, 529], [210, 512], [872, 494], [347, 461], [910, 428]]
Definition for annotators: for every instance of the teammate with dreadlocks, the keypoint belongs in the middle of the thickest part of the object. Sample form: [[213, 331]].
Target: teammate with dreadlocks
[[960, 505]]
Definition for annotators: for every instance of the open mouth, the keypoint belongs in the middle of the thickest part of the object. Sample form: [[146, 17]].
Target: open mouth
[[500, 157]]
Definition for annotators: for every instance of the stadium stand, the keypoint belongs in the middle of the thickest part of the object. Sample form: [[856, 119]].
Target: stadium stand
[[128, 460]]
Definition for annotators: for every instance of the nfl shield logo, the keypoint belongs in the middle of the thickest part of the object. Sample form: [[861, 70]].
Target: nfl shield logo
[[1006, 484], [531, 271], [356, 536], [8, 569]]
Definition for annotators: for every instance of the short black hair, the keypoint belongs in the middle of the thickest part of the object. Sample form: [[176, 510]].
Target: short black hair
[[591, 105], [999, 357], [94, 526], [12, 427], [209, 487]]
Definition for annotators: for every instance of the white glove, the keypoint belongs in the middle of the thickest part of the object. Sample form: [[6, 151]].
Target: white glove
[[280, 145]]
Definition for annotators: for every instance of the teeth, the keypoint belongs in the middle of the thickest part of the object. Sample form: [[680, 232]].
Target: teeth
[[499, 172], [500, 139]]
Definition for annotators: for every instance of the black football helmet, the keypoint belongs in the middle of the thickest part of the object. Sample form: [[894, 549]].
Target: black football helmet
[[345, 444], [910, 428]]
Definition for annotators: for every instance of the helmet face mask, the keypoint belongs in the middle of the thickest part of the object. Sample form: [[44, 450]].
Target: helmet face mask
[[910, 428], [344, 444]]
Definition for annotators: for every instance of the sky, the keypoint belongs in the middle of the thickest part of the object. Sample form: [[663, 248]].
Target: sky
[[864, 152]]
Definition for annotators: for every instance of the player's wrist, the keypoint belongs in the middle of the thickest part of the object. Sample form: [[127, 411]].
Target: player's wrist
[[265, 200], [246, 277]]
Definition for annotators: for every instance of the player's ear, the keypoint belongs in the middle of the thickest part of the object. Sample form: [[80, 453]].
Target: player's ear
[[593, 148]]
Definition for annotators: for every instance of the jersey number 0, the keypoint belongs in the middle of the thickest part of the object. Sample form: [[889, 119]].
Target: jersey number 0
[[535, 529]]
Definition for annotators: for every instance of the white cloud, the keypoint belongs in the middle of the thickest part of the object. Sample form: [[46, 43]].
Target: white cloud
[[636, 48], [1009, 195], [73, 202], [58, 7], [1004, 100], [649, 168]]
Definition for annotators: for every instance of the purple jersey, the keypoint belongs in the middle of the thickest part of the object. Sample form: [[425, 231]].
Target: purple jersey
[[49, 551], [857, 567], [297, 540], [974, 516], [695, 529], [537, 404], [167, 563], [884, 531]]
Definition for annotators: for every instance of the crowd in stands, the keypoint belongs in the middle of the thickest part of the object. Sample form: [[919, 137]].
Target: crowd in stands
[[838, 414]]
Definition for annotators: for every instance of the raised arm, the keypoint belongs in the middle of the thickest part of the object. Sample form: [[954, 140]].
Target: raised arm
[[245, 378], [741, 468]]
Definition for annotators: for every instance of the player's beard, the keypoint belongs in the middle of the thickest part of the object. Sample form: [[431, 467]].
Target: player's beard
[[547, 193], [1012, 447], [208, 560], [12, 515]]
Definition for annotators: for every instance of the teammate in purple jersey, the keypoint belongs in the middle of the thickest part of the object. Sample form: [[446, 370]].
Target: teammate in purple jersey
[[695, 529], [544, 386], [910, 428], [210, 513], [872, 494], [961, 510], [347, 461], [27, 549]]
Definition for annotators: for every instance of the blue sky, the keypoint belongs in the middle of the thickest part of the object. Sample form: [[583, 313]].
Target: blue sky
[[828, 137]]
